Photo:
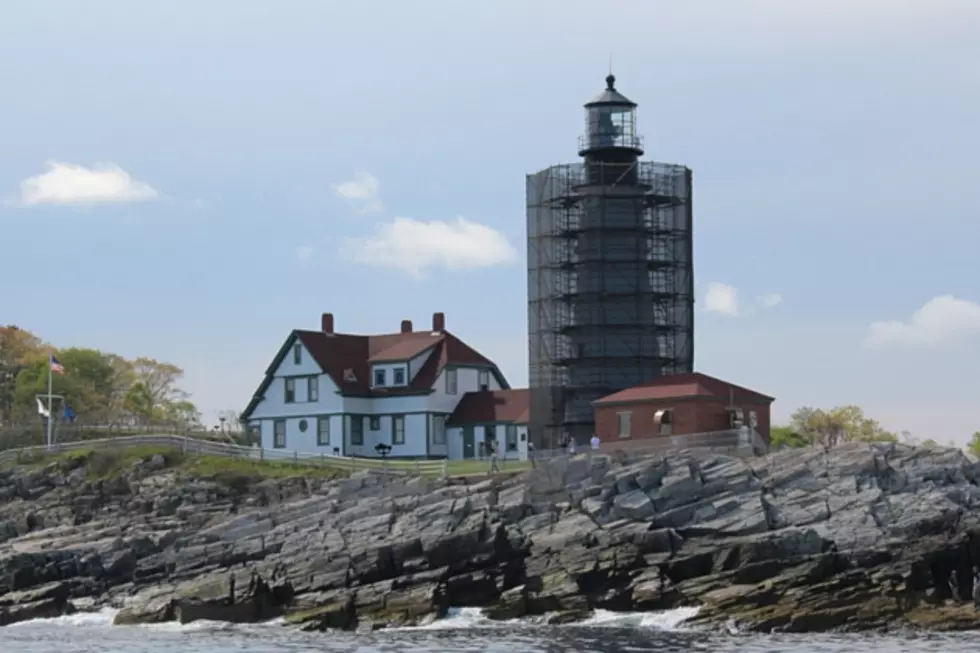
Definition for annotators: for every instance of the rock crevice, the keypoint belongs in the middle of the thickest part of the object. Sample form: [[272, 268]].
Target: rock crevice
[[853, 537]]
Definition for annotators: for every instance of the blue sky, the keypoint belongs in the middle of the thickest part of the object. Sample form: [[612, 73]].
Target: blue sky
[[191, 180]]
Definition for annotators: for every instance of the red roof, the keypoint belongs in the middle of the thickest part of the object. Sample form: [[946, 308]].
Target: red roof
[[491, 406], [681, 386], [339, 354]]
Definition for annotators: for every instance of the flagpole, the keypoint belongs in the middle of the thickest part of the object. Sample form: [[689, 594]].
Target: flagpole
[[50, 402]]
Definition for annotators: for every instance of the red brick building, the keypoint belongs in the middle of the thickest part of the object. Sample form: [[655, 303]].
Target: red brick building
[[680, 404]]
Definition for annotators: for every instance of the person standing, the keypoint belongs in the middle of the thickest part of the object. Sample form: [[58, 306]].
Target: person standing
[[494, 461]]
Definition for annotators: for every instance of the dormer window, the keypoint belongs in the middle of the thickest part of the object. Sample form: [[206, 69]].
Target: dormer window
[[484, 380], [379, 378], [399, 376]]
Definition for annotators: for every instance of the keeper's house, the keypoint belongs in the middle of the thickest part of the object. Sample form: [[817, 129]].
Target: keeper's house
[[343, 394]]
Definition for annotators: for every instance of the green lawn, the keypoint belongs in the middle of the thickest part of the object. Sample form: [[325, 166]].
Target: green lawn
[[106, 463], [475, 467], [103, 463]]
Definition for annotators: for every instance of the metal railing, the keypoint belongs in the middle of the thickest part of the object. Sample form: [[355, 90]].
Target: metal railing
[[733, 442], [203, 447]]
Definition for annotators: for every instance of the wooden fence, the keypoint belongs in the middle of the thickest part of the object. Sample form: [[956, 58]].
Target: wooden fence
[[204, 447]]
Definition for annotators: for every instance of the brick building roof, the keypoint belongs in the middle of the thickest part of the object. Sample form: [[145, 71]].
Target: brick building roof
[[682, 386], [491, 406]]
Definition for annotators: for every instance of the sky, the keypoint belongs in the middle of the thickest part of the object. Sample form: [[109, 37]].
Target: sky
[[192, 180]]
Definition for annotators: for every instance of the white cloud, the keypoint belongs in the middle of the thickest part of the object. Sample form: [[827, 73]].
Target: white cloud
[[69, 183], [304, 253], [416, 246], [721, 299], [943, 320], [772, 299], [362, 192]]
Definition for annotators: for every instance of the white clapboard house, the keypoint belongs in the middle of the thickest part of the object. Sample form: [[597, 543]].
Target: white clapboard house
[[343, 394]]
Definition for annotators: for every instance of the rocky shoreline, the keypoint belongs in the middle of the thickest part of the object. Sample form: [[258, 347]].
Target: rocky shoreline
[[860, 537]]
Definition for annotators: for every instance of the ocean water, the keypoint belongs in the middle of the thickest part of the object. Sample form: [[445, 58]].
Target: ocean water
[[464, 630]]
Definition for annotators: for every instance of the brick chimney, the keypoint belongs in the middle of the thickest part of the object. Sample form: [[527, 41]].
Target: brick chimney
[[406, 326], [438, 321], [326, 323]]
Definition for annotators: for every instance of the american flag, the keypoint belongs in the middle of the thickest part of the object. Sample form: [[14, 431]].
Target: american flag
[[56, 367]]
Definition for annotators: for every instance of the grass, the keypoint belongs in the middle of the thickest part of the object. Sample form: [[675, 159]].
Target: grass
[[479, 467], [106, 463], [101, 464]]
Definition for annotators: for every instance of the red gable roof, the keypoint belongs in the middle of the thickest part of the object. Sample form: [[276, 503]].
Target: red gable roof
[[339, 354], [680, 386], [492, 406]]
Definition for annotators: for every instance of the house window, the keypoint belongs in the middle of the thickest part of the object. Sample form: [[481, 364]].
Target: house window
[[624, 424], [511, 437], [439, 429], [312, 388], [323, 431], [735, 418], [484, 379], [375, 424], [398, 429], [451, 381], [356, 430], [400, 376], [290, 391], [297, 354], [753, 419], [303, 425], [664, 421], [279, 441], [379, 377], [255, 433]]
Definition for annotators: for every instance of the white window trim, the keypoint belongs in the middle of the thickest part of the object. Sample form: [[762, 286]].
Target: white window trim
[[359, 420], [396, 422], [452, 381], [394, 376], [628, 415], [320, 422], [439, 435], [286, 390], [276, 444], [312, 389], [510, 437], [664, 426]]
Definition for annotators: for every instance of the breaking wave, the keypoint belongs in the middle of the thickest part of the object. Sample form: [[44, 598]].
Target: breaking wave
[[667, 620], [457, 619]]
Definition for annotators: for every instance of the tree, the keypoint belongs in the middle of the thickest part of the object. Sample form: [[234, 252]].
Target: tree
[[974, 444], [786, 436], [18, 348], [86, 386], [157, 384], [182, 412], [840, 424], [102, 388]]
